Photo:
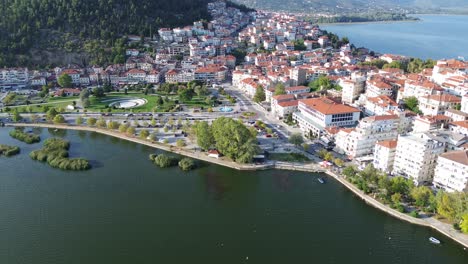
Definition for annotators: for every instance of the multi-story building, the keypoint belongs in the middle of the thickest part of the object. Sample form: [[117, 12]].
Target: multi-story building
[[361, 140], [380, 105], [416, 156], [436, 104], [14, 78], [298, 76], [377, 87], [316, 114], [464, 103], [451, 172], [384, 155]]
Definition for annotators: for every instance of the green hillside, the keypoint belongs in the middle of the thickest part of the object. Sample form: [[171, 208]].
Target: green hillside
[[33, 29]]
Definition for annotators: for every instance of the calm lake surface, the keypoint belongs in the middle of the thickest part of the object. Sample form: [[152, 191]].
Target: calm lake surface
[[125, 210], [435, 36]]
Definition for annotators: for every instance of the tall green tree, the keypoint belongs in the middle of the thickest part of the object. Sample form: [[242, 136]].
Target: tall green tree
[[233, 139], [205, 139], [296, 139], [259, 94], [280, 89], [64, 80]]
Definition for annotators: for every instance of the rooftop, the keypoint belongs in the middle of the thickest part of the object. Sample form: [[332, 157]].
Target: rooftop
[[457, 156], [327, 106]]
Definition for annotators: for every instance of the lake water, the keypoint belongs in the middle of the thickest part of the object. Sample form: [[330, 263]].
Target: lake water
[[125, 210], [435, 36]]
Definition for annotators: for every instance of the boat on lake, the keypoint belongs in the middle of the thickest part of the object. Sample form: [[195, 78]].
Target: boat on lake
[[434, 240], [321, 180]]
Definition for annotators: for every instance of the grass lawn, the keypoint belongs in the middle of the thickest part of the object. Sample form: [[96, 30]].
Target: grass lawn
[[290, 157], [101, 104]]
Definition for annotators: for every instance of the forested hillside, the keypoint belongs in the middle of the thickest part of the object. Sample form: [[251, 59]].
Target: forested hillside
[[32, 27]]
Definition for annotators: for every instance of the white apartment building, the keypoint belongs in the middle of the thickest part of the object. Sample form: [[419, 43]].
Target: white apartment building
[[451, 172], [361, 140], [384, 155], [316, 114], [436, 104], [379, 105], [419, 88], [416, 156], [464, 103], [14, 78], [377, 87]]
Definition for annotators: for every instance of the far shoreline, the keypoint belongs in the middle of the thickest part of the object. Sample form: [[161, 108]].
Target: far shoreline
[[371, 22], [442, 228]]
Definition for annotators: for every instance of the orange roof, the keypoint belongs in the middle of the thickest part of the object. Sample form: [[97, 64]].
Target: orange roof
[[388, 143], [463, 124], [444, 98], [288, 103], [283, 97], [326, 106], [457, 156]]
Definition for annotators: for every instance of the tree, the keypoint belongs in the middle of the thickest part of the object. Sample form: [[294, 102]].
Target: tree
[[101, 123], [86, 103], [339, 162], [59, 119], [34, 118], [187, 164], [79, 120], [464, 223], [328, 156], [322, 83], [396, 199], [98, 92], [450, 205], [144, 134], [16, 116], [296, 139], [180, 143], [91, 121], [185, 94], [299, 45], [205, 139], [64, 80], [412, 103], [233, 139], [350, 171], [112, 125], [280, 89], [259, 94], [123, 128], [130, 131], [422, 196], [51, 114]]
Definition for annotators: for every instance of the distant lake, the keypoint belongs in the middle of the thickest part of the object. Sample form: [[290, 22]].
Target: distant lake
[[435, 36]]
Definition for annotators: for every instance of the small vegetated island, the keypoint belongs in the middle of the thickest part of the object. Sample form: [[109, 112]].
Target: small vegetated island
[[28, 138], [165, 161], [55, 153], [9, 151]]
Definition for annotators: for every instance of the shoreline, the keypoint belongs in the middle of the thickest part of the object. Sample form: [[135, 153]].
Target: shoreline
[[443, 228], [370, 22]]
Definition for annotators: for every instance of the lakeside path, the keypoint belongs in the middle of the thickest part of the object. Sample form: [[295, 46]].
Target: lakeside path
[[431, 222]]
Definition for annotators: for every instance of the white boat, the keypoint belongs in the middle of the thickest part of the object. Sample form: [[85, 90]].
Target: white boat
[[321, 180], [434, 240]]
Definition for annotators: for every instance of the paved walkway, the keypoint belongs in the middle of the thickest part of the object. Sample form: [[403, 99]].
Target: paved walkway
[[443, 228]]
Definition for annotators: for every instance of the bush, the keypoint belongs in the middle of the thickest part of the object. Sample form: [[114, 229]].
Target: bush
[[9, 151], [25, 137], [414, 214], [400, 208], [165, 161], [152, 157], [187, 164], [55, 153]]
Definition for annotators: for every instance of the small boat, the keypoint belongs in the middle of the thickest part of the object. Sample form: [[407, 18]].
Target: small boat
[[321, 180], [434, 240], [56, 130]]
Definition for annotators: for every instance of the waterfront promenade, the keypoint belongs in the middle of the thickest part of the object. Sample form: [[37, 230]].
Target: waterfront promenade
[[431, 222]]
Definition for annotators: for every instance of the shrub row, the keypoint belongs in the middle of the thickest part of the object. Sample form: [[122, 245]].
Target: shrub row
[[9, 151], [25, 137], [165, 161]]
